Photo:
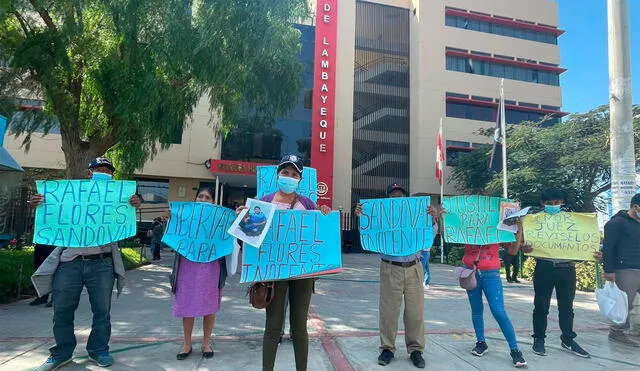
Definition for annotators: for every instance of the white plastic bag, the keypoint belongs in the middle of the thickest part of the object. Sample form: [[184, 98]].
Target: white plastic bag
[[613, 303]]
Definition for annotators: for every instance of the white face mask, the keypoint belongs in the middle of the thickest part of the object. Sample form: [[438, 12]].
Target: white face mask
[[101, 176]]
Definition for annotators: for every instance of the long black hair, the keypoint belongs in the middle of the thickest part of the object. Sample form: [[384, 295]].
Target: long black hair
[[210, 190]]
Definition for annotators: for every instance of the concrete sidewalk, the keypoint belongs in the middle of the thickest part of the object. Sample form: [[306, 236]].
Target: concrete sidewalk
[[343, 328]]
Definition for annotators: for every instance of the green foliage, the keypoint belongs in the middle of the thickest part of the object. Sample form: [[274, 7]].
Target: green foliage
[[11, 275], [572, 156], [586, 276], [16, 268], [121, 76], [455, 256], [132, 259], [528, 267]]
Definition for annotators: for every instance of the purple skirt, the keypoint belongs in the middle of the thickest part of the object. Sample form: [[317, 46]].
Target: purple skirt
[[197, 293]]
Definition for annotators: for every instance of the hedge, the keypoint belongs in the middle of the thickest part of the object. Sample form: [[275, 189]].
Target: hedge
[[16, 268], [585, 274]]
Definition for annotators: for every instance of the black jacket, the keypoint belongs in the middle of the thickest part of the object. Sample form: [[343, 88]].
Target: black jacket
[[621, 248]]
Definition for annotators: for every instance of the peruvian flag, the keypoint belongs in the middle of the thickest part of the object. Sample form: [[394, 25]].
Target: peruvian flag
[[439, 157]]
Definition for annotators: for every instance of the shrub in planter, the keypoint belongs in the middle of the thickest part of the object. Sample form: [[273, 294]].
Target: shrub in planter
[[528, 266], [13, 277], [455, 256], [586, 276]]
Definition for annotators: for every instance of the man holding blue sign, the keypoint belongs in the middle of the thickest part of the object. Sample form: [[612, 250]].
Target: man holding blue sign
[[66, 271], [401, 276]]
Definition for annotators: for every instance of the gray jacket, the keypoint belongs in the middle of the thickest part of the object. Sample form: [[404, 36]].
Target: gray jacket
[[42, 279]]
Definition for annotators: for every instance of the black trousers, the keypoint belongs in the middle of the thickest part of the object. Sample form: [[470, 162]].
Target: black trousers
[[546, 277], [511, 261]]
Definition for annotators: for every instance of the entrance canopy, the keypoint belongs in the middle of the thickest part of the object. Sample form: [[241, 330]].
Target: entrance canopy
[[234, 173]]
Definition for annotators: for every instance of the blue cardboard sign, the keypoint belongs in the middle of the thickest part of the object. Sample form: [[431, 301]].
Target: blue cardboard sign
[[399, 226], [198, 230], [268, 182], [299, 244], [84, 213], [474, 220]]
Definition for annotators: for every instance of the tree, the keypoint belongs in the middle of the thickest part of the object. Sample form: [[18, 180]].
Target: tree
[[122, 75], [572, 156]]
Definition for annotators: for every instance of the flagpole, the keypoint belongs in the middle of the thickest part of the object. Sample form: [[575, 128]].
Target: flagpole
[[504, 140], [442, 166]]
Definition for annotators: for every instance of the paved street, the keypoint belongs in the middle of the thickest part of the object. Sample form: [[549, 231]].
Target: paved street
[[343, 328]]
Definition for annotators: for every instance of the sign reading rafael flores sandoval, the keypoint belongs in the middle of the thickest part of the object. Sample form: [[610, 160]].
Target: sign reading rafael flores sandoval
[[84, 213], [299, 244]]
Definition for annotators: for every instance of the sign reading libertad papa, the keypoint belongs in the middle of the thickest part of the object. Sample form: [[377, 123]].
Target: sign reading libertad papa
[[198, 231], [571, 236], [324, 97], [473, 220], [396, 226], [84, 213]]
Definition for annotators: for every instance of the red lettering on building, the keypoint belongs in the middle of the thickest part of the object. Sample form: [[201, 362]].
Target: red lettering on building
[[323, 118]]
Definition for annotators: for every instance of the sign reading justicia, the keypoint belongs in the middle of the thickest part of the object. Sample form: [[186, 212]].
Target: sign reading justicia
[[324, 98]]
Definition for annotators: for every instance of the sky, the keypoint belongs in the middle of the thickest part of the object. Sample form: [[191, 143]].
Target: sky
[[583, 49]]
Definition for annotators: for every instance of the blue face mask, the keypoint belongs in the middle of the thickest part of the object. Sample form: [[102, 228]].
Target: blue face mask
[[287, 185], [551, 209], [101, 176]]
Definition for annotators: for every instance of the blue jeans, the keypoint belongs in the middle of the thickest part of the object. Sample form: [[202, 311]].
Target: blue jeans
[[98, 277], [426, 255], [490, 283]]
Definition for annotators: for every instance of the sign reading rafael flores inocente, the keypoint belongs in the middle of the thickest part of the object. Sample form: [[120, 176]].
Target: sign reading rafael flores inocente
[[84, 213]]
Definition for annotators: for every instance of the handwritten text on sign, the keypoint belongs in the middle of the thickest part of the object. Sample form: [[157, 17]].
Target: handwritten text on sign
[[198, 231], [572, 236], [268, 182], [473, 220], [299, 243], [396, 226], [84, 213]]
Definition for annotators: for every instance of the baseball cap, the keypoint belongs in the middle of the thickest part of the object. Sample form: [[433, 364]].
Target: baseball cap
[[393, 187], [101, 161], [292, 160]]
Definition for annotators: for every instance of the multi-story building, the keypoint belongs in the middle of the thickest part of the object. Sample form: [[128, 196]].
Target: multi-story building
[[391, 70]]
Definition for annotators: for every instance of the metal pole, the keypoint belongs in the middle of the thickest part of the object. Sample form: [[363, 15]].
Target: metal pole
[[503, 129], [623, 178], [217, 195], [442, 166]]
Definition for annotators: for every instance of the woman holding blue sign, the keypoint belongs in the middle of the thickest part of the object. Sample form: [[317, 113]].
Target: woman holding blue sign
[[299, 290], [198, 292]]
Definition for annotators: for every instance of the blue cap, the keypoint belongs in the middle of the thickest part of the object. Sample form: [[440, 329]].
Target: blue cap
[[294, 160], [101, 161]]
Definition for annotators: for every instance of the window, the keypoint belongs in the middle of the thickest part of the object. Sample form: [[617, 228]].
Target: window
[[471, 111], [498, 69], [154, 191], [454, 153], [502, 30], [308, 98]]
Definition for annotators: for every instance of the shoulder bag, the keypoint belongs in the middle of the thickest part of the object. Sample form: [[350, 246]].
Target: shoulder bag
[[467, 276]]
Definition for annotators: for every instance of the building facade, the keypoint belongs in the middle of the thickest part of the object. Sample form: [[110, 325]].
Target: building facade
[[379, 75]]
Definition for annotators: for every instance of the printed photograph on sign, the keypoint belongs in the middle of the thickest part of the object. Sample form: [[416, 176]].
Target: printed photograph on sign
[[507, 210], [252, 225]]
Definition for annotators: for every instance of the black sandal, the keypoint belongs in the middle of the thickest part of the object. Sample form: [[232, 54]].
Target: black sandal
[[183, 356], [207, 354]]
